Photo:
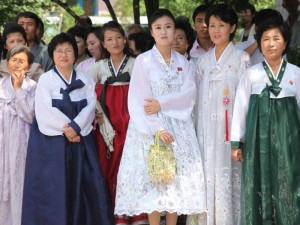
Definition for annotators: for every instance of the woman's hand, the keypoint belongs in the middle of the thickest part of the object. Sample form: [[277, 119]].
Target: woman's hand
[[152, 106], [237, 154], [18, 77], [71, 134], [166, 137]]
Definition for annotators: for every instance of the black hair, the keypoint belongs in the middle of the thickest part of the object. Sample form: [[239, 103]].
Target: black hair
[[225, 13], [266, 16], [248, 6], [142, 40], [158, 14], [60, 39], [10, 28], [113, 26], [31, 15], [200, 9], [18, 49], [274, 22], [78, 31], [183, 24], [86, 19]]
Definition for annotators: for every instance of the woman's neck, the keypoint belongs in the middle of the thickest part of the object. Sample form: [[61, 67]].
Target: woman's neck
[[80, 59], [65, 72], [274, 65], [117, 59], [220, 49], [165, 51]]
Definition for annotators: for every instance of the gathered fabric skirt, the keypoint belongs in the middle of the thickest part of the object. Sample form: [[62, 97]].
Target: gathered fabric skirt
[[271, 155]]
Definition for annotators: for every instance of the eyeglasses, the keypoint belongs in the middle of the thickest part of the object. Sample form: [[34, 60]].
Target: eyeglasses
[[61, 51], [180, 38]]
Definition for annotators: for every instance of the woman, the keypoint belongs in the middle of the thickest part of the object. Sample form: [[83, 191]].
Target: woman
[[140, 42], [112, 74], [161, 98], [219, 72], [16, 113], [93, 44], [184, 37], [63, 176], [265, 132], [79, 33], [14, 34]]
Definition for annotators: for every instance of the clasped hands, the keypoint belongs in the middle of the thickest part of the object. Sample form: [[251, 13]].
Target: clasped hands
[[71, 134]]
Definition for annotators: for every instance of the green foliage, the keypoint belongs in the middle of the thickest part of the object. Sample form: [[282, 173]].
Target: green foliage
[[10, 8], [293, 55]]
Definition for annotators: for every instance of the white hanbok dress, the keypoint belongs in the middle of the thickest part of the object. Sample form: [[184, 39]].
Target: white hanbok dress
[[16, 115], [174, 88], [216, 93]]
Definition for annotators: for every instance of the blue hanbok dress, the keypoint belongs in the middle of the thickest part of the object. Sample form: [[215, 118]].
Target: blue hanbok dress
[[63, 180]]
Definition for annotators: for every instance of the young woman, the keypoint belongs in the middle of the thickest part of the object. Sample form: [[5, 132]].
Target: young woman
[[63, 180], [93, 44], [161, 98], [80, 35], [16, 114], [219, 72], [112, 74], [266, 132]]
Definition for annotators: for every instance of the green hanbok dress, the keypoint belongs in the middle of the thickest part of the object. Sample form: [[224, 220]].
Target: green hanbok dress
[[266, 120]]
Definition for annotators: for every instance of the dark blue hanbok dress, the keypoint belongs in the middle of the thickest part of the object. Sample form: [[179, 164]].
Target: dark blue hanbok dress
[[63, 180]]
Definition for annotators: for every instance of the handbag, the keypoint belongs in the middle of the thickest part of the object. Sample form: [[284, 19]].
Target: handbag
[[161, 162]]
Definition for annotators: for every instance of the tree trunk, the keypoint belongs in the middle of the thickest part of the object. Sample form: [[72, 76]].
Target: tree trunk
[[136, 11], [151, 6], [111, 10]]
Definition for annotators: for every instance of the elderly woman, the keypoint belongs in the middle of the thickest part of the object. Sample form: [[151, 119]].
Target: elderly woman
[[14, 34], [63, 181], [266, 132], [16, 113]]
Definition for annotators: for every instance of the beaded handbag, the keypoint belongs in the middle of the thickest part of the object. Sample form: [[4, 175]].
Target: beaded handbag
[[161, 162]]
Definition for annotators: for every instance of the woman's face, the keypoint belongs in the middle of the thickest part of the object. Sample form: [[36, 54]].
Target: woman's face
[[131, 44], [114, 42], [93, 45], [180, 43], [163, 31], [272, 44], [81, 46], [219, 31], [14, 39], [64, 56], [18, 64]]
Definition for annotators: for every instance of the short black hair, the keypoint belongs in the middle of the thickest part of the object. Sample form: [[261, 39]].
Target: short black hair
[[225, 13], [160, 13], [248, 6], [78, 31], [31, 15], [18, 49], [114, 26], [142, 40], [60, 39], [274, 22], [200, 9], [10, 28], [265, 16], [183, 24]]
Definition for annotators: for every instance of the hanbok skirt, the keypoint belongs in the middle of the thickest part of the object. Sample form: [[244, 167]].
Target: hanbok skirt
[[64, 183], [271, 156], [137, 194]]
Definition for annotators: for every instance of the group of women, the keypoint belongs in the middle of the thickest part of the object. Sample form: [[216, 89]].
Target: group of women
[[48, 130]]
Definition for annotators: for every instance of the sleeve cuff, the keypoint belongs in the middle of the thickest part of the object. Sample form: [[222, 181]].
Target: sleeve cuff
[[75, 126], [236, 144]]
